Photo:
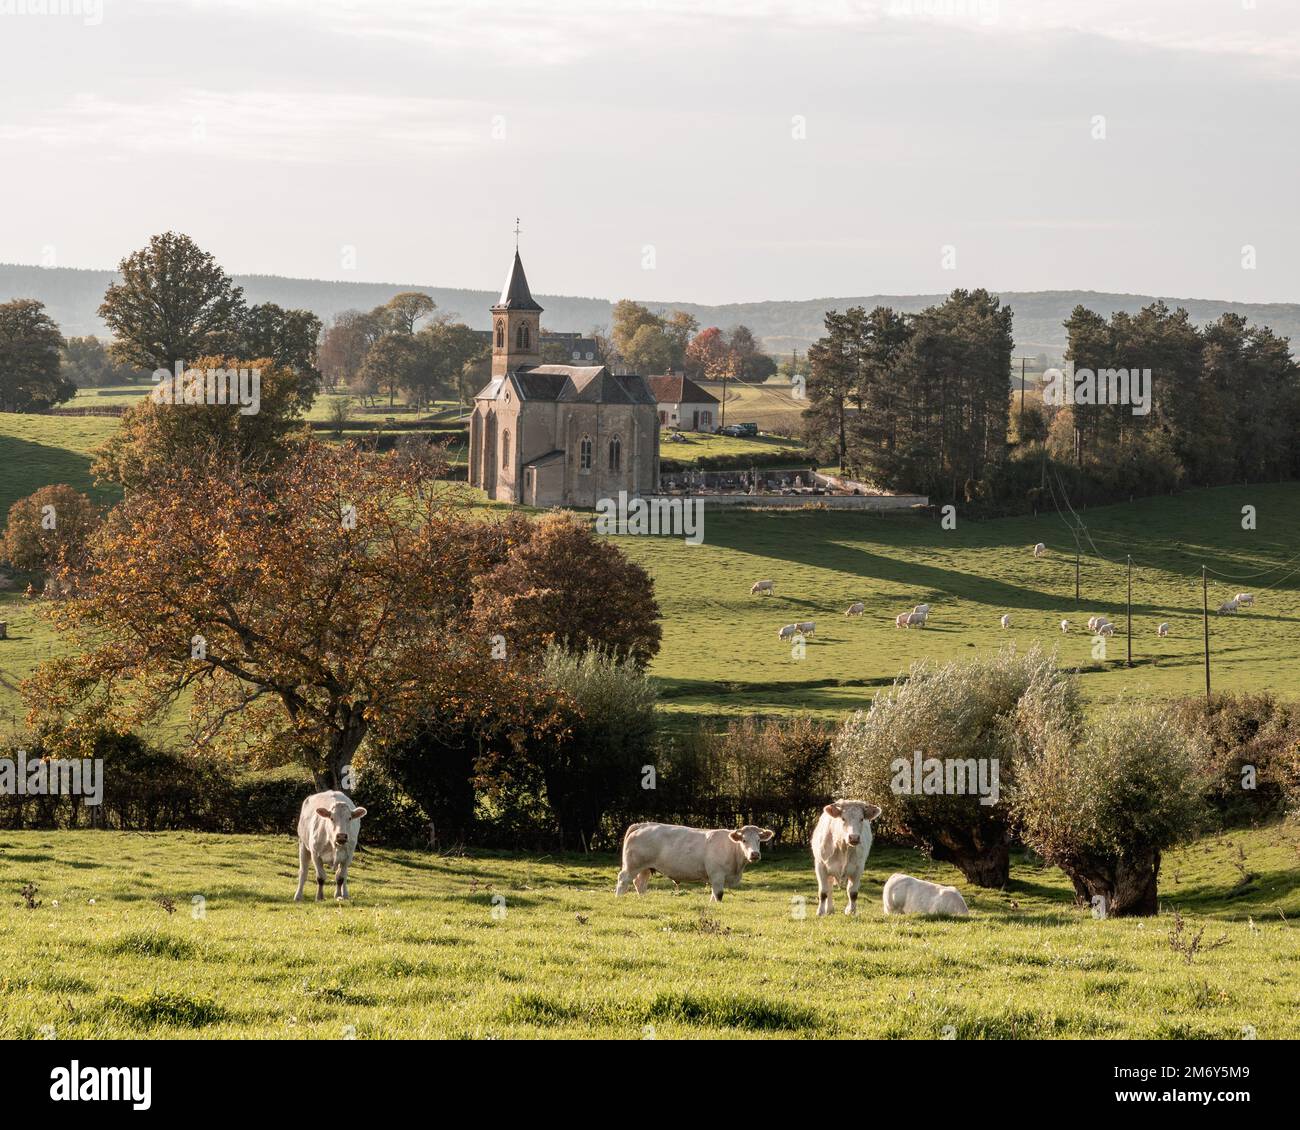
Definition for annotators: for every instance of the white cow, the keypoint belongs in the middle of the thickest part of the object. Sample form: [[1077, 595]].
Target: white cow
[[855, 609], [787, 632], [917, 619], [1106, 629], [1065, 625], [1163, 630], [841, 843], [768, 587], [1040, 549], [689, 855], [1005, 621], [906, 895], [922, 609], [807, 628], [1244, 599], [900, 621], [328, 827], [1228, 606]]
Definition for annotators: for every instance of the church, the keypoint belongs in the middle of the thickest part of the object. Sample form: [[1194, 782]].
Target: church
[[557, 435]]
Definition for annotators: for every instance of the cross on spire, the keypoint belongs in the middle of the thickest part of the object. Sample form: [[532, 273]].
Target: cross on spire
[[516, 233]]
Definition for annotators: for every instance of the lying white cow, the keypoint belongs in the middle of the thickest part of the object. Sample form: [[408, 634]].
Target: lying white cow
[[1163, 630], [906, 895], [1065, 625], [1005, 621], [689, 855], [1040, 549], [1228, 606], [855, 609], [1244, 599], [841, 843], [768, 587], [328, 827]]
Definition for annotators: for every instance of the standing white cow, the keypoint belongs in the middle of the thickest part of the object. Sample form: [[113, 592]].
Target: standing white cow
[[1163, 630], [1040, 549], [1244, 599], [855, 609], [807, 628], [921, 609], [904, 894], [768, 587], [900, 621], [328, 827], [689, 855], [1065, 625], [787, 632], [1005, 621], [917, 619], [1228, 606], [1106, 629], [841, 843]]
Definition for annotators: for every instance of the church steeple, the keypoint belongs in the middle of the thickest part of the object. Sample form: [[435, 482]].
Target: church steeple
[[516, 323]]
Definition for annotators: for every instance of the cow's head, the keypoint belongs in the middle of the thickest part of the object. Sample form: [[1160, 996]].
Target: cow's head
[[749, 837], [854, 814], [346, 821]]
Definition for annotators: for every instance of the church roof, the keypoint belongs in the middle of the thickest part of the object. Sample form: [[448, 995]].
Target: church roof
[[573, 384], [678, 388], [515, 295]]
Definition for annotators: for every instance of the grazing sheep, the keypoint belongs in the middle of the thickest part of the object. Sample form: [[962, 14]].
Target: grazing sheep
[[1005, 621], [854, 609], [1163, 630], [904, 894], [1040, 549], [1065, 625], [767, 587]]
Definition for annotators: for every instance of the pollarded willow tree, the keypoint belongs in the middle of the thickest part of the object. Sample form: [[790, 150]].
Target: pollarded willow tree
[[307, 605], [927, 744]]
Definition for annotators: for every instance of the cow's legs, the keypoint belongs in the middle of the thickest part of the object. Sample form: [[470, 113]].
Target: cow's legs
[[304, 856], [642, 880], [319, 864], [825, 902], [851, 885], [341, 881], [624, 881]]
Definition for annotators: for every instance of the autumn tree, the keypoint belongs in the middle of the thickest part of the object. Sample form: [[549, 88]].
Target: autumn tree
[[307, 606], [401, 312], [344, 346], [49, 528], [706, 355], [31, 379], [288, 338], [155, 436], [174, 303], [560, 584]]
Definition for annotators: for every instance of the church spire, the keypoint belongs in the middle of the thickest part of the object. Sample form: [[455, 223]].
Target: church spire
[[515, 295], [516, 323]]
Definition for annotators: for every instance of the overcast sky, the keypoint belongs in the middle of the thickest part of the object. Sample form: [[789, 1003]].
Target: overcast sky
[[701, 150]]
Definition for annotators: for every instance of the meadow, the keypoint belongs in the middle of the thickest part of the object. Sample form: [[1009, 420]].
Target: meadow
[[491, 945]]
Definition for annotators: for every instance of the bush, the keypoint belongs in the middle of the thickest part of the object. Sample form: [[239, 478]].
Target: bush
[[979, 716], [1105, 805], [1253, 731], [47, 528], [774, 773]]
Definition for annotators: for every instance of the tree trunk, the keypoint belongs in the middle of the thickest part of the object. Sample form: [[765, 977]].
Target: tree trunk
[[986, 867], [1128, 886]]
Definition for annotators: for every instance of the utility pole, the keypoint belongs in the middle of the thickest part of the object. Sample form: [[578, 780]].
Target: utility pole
[[1205, 621], [1130, 610], [1076, 576]]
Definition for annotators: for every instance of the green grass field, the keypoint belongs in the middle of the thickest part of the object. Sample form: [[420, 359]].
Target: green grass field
[[494, 946], [770, 405], [696, 445], [721, 654]]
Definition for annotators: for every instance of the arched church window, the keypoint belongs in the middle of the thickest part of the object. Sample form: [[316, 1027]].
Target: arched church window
[[501, 334], [522, 336], [505, 448], [615, 454], [584, 454]]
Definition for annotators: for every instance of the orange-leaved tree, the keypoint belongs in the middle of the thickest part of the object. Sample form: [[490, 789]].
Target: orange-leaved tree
[[307, 604]]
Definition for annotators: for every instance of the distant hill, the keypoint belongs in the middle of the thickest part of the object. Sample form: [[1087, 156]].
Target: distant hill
[[72, 296]]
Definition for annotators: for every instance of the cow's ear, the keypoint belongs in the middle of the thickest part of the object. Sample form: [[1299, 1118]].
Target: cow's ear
[[357, 813], [766, 834], [833, 810], [873, 810], [325, 812], [738, 836]]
